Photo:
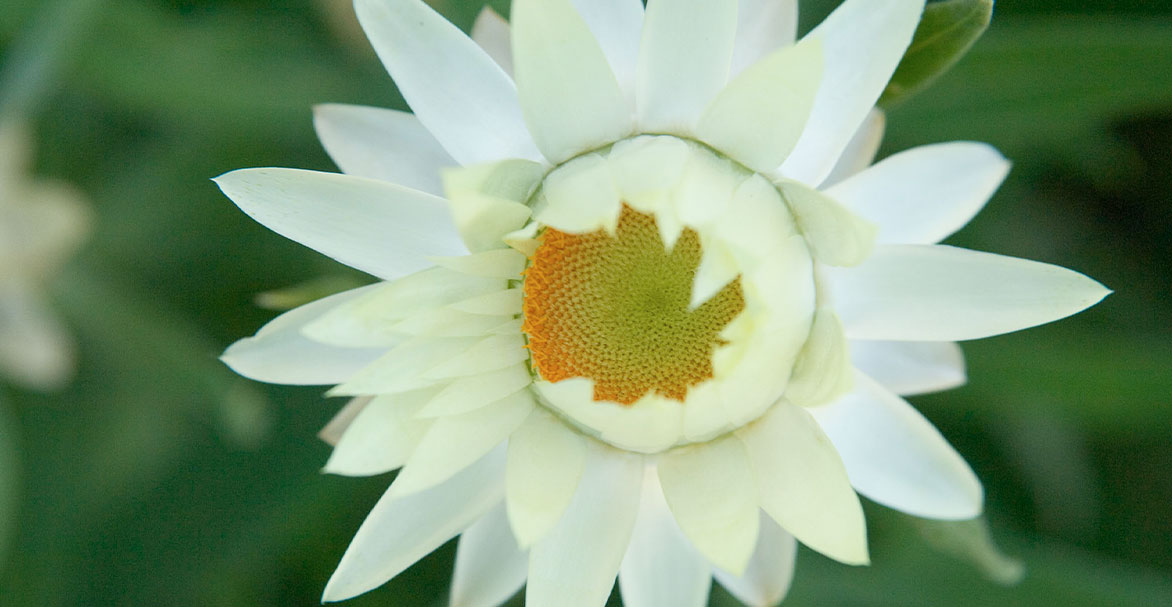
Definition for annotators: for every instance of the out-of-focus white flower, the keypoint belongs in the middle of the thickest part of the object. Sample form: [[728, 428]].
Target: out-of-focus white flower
[[646, 312], [41, 225]]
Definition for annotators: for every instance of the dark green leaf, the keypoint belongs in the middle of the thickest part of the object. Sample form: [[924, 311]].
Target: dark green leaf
[[946, 32]]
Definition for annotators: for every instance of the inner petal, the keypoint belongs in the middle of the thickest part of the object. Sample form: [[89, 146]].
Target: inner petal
[[614, 309]]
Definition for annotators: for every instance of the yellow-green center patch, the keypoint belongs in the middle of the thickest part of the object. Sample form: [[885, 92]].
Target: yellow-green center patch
[[615, 309]]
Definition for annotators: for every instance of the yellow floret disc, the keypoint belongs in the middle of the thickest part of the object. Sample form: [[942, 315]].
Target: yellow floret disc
[[614, 309]]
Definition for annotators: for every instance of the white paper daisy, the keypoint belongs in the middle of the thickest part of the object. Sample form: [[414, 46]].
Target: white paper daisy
[[643, 314], [42, 223]]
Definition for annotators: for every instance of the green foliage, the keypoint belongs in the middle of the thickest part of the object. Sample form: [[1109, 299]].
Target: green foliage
[[946, 32], [1049, 83], [9, 478], [159, 478]]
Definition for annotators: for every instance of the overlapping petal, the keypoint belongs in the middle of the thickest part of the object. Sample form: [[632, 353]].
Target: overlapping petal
[[490, 567], [923, 195], [382, 436], [684, 61], [477, 432], [763, 26], [569, 95], [382, 144], [617, 25], [661, 567], [458, 92], [771, 569], [493, 34], [400, 531], [279, 353], [381, 228], [896, 457], [575, 564], [546, 462], [862, 42], [803, 484], [758, 118], [910, 367], [713, 495]]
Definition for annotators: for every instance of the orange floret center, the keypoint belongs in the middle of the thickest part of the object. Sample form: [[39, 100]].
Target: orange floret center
[[614, 309]]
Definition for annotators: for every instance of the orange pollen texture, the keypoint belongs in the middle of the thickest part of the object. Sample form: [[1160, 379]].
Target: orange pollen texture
[[614, 309]]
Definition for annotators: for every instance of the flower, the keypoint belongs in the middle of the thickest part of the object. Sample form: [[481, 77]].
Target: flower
[[41, 225], [646, 311]]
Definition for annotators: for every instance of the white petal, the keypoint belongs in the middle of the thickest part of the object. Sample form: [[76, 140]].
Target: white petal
[[862, 42], [713, 495], [803, 484], [911, 367], [684, 61], [705, 190], [488, 200], [524, 240], [492, 33], [35, 349], [860, 151], [923, 195], [546, 460], [372, 320], [382, 436], [505, 264], [661, 567], [617, 25], [465, 99], [771, 570], [475, 391], [382, 144], [446, 322], [490, 567], [836, 236], [758, 118], [575, 564], [646, 168], [332, 432], [569, 95], [581, 197], [402, 369], [398, 532], [454, 442], [377, 227], [895, 457], [507, 302], [939, 293], [757, 222], [280, 354], [490, 354], [763, 26], [823, 369]]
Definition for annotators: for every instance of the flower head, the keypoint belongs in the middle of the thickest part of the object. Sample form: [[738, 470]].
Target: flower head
[[41, 225], [646, 311]]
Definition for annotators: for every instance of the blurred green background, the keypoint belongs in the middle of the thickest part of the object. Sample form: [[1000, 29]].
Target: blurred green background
[[159, 478]]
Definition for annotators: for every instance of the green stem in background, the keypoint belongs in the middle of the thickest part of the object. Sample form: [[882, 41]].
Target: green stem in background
[[40, 53], [9, 478]]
